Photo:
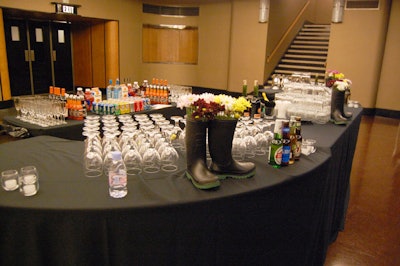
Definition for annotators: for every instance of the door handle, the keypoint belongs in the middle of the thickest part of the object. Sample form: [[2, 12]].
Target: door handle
[[54, 55], [32, 55], [26, 55]]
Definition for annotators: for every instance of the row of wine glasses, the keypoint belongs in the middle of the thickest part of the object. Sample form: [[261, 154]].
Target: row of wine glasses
[[252, 138], [40, 110], [148, 143]]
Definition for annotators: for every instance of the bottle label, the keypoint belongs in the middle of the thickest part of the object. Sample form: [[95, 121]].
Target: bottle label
[[275, 154], [285, 154], [117, 179]]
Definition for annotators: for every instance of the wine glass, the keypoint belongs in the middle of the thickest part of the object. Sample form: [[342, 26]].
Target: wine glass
[[151, 161], [169, 159], [17, 105], [132, 160]]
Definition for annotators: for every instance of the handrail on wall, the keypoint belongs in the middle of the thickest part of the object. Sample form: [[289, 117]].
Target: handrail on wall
[[288, 31]]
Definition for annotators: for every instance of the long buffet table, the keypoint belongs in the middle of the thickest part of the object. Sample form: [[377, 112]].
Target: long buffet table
[[73, 128], [284, 216]]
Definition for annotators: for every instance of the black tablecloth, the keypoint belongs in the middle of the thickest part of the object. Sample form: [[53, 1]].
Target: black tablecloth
[[284, 216], [73, 129]]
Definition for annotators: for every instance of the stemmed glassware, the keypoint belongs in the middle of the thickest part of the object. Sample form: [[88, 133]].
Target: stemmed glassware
[[17, 105], [169, 155], [40, 110]]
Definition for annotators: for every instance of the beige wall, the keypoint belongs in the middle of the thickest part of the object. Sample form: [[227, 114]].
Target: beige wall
[[356, 49], [247, 45], [389, 83], [211, 70]]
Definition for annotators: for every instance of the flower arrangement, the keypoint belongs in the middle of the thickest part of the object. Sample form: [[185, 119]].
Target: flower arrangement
[[331, 76], [342, 85], [208, 106]]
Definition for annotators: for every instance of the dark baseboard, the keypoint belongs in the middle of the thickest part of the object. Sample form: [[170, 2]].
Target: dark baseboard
[[6, 104], [387, 113], [381, 112]]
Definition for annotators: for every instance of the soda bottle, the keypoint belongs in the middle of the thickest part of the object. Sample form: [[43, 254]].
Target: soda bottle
[[117, 177]]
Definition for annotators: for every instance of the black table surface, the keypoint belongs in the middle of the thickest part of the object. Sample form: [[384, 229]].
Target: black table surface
[[278, 217]]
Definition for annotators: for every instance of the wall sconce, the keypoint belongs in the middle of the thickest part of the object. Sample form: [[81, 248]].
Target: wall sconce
[[264, 11], [337, 12]]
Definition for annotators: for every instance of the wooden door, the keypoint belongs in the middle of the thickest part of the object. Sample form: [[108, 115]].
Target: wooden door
[[39, 37], [61, 55], [18, 55]]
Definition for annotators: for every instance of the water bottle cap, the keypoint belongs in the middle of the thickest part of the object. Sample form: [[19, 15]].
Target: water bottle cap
[[116, 155]]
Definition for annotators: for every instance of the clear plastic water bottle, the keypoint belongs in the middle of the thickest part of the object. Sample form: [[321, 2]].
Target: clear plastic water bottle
[[117, 90], [110, 90], [117, 177]]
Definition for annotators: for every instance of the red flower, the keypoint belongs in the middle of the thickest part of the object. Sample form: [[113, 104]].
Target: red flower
[[207, 111]]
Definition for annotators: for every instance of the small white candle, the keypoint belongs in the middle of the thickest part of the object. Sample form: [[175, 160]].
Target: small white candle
[[29, 179], [10, 184], [29, 190]]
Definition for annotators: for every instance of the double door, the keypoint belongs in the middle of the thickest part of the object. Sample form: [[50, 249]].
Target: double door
[[39, 55]]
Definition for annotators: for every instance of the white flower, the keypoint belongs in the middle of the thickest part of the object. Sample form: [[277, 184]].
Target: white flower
[[207, 97], [186, 100], [342, 85]]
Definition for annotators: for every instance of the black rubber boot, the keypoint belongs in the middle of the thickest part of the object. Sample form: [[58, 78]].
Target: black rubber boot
[[337, 106], [347, 115], [197, 170], [220, 137]]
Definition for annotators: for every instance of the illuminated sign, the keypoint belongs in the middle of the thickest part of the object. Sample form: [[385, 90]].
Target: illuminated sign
[[64, 8]]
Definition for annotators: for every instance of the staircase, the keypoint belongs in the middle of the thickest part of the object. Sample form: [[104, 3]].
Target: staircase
[[307, 53]]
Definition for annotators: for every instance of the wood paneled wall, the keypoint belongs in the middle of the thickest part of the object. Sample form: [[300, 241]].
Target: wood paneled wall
[[167, 45], [95, 53]]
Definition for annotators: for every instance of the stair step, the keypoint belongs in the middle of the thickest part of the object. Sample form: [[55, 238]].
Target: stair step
[[326, 26], [313, 38], [319, 43], [307, 62], [305, 68], [314, 33], [315, 57], [315, 30], [306, 51], [315, 47]]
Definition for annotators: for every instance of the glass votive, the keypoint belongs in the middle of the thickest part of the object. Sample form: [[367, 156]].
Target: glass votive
[[29, 181], [308, 146], [9, 180]]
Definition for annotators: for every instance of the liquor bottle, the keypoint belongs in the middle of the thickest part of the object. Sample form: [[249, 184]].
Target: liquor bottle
[[244, 88], [117, 177], [286, 149], [293, 139], [255, 90], [299, 139]]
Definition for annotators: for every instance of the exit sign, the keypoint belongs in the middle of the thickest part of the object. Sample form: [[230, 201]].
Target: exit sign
[[64, 8]]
